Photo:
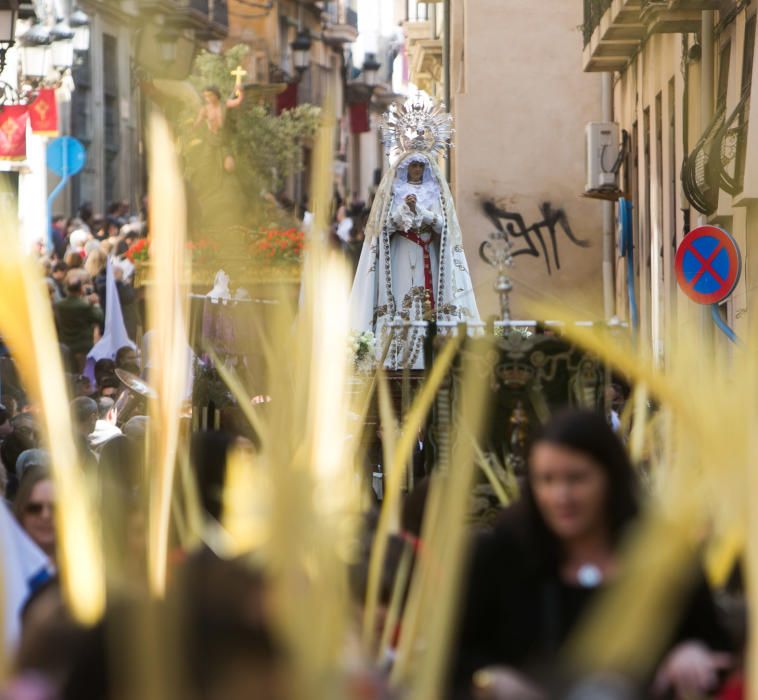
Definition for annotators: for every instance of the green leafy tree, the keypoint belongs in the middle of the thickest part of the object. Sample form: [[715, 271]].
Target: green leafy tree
[[268, 148]]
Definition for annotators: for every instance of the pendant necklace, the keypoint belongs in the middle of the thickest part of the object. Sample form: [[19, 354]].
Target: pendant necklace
[[589, 576]]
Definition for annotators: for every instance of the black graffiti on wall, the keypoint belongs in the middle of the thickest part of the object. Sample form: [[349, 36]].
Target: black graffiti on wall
[[541, 238]]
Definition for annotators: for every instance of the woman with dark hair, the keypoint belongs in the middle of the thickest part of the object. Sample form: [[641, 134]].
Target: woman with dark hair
[[535, 574], [34, 508]]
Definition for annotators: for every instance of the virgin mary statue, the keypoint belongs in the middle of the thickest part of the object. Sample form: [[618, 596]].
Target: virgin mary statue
[[412, 266]]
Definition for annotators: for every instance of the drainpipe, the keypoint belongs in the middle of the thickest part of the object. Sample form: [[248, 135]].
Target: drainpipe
[[609, 216], [706, 114]]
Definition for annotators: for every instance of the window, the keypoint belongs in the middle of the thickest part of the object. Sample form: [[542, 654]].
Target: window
[[112, 140], [645, 237], [723, 84], [81, 126], [632, 179], [647, 184], [748, 54], [747, 75], [669, 237], [284, 46], [417, 10], [81, 116]]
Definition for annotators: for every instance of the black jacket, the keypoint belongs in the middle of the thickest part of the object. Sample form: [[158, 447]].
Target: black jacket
[[518, 612]]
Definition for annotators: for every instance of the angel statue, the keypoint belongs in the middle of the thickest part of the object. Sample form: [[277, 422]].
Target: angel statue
[[412, 266]]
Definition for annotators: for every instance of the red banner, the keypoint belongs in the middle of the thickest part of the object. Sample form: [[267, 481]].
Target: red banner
[[13, 120], [287, 99], [359, 123], [43, 113]]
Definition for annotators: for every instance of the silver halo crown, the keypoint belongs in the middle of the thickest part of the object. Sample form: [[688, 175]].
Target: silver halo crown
[[417, 125]]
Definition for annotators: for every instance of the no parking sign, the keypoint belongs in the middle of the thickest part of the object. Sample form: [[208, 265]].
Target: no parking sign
[[708, 265]]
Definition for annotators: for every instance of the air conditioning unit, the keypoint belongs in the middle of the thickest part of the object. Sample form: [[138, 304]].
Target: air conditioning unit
[[602, 154]]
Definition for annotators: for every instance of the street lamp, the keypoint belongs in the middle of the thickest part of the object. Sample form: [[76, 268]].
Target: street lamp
[[34, 51], [370, 70], [62, 47], [8, 14], [79, 22], [301, 49], [167, 38]]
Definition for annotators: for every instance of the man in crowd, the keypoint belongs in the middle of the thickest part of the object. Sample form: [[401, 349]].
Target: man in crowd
[[60, 236], [24, 436], [105, 426], [84, 418], [76, 317], [126, 359], [58, 274], [5, 422]]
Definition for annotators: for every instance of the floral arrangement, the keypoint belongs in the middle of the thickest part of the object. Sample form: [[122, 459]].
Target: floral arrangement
[[203, 250], [361, 349], [277, 247], [139, 251]]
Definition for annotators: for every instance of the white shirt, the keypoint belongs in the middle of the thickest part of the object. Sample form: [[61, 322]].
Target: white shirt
[[344, 228]]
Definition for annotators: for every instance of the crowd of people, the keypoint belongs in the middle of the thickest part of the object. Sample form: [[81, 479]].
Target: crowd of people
[[75, 270], [347, 225], [530, 579]]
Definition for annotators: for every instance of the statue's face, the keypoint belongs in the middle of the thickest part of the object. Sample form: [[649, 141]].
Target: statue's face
[[416, 171]]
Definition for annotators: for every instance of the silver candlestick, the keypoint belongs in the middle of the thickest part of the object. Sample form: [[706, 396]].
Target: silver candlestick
[[497, 252]]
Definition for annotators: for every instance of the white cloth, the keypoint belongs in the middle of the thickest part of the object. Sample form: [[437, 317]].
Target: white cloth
[[115, 335], [389, 282], [344, 228], [25, 566], [126, 266], [307, 221], [148, 363], [220, 291], [104, 431]]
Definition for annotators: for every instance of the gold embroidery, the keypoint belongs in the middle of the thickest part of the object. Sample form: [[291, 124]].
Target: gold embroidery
[[10, 128], [41, 108], [379, 312], [416, 293]]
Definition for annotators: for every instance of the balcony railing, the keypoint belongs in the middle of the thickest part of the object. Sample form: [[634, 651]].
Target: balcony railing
[[341, 22], [701, 169], [593, 13], [718, 160], [734, 147], [209, 17]]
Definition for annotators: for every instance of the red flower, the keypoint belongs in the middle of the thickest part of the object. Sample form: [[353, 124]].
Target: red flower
[[139, 251]]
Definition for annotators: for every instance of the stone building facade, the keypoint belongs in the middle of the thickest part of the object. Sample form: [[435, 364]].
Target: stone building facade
[[683, 72]]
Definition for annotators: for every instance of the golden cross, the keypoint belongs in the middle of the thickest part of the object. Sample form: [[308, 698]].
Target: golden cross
[[9, 128], [239, 72], [41, 108]]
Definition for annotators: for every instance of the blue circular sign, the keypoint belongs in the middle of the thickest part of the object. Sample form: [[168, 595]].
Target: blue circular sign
[[66, 156], [708, 264]]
